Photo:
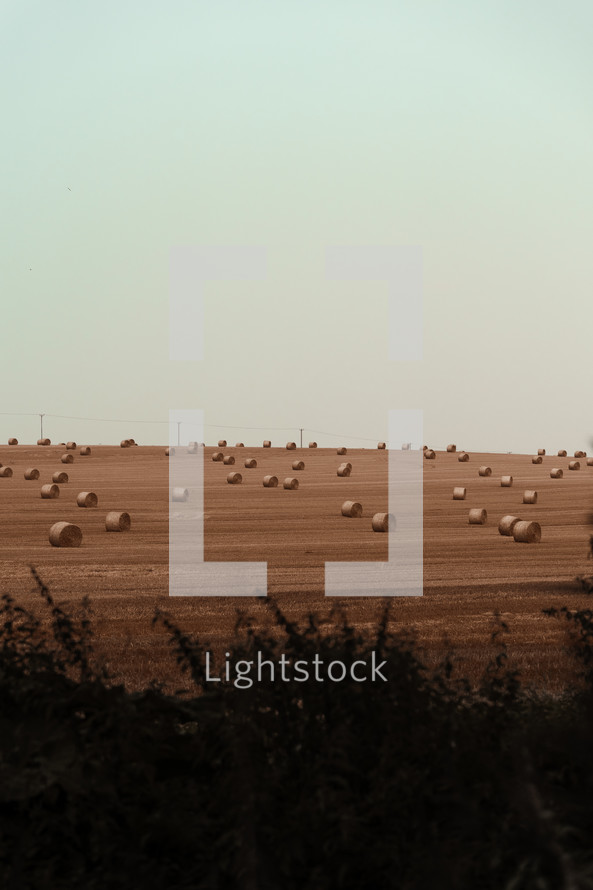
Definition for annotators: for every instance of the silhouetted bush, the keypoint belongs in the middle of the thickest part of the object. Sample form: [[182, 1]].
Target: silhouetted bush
[[420, 782]]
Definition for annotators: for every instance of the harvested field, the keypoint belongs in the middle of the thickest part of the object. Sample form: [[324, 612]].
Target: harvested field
[[470, 571]]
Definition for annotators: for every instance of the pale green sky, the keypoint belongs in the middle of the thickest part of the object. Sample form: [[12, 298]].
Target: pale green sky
[[464, 127]]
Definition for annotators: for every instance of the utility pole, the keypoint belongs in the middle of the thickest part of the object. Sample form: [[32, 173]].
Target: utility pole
[[301, 429], [179, 432], [41, 416]]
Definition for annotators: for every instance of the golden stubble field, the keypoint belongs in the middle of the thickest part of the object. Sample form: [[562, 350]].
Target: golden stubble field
[[469, 571]]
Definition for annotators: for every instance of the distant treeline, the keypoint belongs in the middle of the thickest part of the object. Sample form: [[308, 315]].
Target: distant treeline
[[420, 782]]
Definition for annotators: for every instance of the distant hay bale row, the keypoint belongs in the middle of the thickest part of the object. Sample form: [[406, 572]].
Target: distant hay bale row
[[222, 443], [125, 443], [87, 499], [85, 450], [485, 471], [451, 448], [5, 472], [556, 473], [459, 493], [13, 441], [239, 445], [537, 460], [31, 473], [580, 454], [352, 508], [298, 465], [429, 454], [477, 516], [463, 457]]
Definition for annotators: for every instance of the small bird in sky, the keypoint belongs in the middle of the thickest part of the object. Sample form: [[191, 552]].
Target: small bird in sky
[[68, 187]]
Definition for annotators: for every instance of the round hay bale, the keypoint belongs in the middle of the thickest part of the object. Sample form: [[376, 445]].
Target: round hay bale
[[267, 443], [117, 521], [459, 493], [65, 534], [229, 460], [239, 445], [590, 461], [251, 463], [580, 454], [13, 441], [352, 508], [525, 532], [507, 524], [429, 454], [132, 441], [222, 443], [50, 491], [234, 478], [125, 443], [541, 451], [344, 470], [67, 458], [291, 483], [290, 446], [424, 447], [168, 452], [5, 472], [530, 497], [85, 450], [342, 451], [180, 494], [556, 473], [383, 522], [506, 481], [218, 456], [537, 460], [32, 473], [485, 471], [381, 446], [70, 446], [574, 465], [312, 444], [192, 448], [270, 481], [44, 441], [477, 516], [463, 457], [298, 465], [562, 453], [59, 477], [87, 499], [451, 448]]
